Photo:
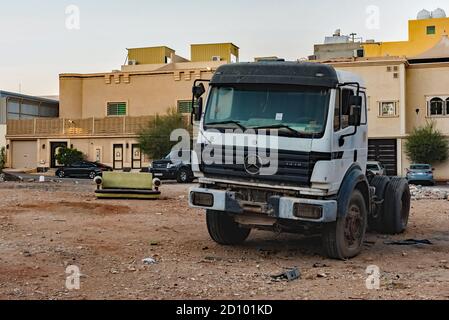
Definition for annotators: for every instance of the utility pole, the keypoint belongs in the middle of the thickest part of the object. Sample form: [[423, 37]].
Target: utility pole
[[352, 35]]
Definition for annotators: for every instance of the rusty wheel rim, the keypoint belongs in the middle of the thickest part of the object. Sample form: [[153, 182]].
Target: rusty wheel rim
[[353, 227]]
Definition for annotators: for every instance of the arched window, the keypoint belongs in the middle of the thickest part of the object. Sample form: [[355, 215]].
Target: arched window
[[447, 106], [436, 107]]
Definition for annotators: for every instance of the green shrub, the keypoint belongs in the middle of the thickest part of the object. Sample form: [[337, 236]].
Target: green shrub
[[427, 145], [68, 156], [155, 141], [2, 158]]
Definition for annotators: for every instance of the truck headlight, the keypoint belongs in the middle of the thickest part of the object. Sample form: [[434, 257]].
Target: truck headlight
[[307, 211], [202, 199]]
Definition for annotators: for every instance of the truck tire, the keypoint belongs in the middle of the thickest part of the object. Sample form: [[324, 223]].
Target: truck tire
[[344, 239], [224, 230], [375, 219], [396, 207]]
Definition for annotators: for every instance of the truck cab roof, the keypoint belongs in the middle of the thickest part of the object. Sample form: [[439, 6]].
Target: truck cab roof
[[282, 73]]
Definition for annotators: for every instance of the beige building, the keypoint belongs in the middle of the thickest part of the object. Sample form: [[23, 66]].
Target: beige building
[[101, 114], [402, 95]]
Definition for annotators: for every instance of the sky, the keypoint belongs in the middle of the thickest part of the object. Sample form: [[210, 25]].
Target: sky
[[39, 39]]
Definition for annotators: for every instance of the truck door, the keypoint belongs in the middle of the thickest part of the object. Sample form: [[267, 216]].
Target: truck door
[[354, 149]]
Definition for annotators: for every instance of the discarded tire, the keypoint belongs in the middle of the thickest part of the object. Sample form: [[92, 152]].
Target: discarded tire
[[224, 230], [396, 207], [375, 220]]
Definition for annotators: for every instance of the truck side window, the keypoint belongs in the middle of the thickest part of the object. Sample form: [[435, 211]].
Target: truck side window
[[345, 107], [337, 112]]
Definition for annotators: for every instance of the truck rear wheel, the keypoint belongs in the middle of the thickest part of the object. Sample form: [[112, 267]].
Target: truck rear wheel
[[396, 207], [224, 230], [344, 239], [375, 220]]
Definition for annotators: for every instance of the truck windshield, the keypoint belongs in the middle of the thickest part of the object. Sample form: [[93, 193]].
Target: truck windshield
[[292, 110]]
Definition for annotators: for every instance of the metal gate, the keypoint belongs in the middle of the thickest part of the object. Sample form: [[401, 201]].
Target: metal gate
[[386, 152]]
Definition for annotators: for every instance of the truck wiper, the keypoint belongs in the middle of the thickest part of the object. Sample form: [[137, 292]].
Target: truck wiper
[[281, 126], [237, 123]]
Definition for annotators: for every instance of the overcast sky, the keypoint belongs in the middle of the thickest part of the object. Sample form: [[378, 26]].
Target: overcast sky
[[39, 40]]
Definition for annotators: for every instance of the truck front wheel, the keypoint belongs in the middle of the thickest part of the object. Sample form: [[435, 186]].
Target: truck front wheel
[[224, 230], [344, 239]]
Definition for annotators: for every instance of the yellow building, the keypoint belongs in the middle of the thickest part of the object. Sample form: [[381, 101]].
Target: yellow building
[[403, 94], [101, 114], [423, 33]]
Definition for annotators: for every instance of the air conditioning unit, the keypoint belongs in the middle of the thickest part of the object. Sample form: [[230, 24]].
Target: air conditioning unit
[[132, 62], [216, 58]]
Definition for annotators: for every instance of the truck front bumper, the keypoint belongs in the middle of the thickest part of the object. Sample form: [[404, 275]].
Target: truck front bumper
[[307, 210]]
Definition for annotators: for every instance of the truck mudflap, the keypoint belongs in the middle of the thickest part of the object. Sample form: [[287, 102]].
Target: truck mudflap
[[307, 210]]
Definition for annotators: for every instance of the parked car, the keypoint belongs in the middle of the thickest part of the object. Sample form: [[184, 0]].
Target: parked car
[[377, 168], [83, 169], [420, 173], [172, 168]]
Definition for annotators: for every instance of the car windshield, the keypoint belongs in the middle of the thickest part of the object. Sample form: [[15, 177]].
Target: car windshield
[[302, 109], [372, 167], [420, 167]]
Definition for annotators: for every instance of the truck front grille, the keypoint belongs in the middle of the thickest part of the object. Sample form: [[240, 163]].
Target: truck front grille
[[293, 168]]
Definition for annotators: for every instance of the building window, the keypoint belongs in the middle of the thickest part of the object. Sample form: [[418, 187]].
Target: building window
[[116, 109], [436, 107], [388, 109], [431, 30], [185, 106]]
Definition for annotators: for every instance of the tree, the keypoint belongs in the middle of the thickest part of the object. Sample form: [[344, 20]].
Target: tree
[[2, 158], [155, 141], [427, 145], [68, 156]]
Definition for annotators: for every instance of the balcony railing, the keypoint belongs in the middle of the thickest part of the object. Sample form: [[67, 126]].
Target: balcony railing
[[81, 127]]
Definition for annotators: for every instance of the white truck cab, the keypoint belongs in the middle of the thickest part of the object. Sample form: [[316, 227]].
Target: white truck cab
[[283, 146]]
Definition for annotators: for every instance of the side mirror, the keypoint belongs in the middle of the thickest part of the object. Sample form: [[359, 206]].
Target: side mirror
[[198, 109], [198, 90], [355, 112], [355, 116], [355, 101]]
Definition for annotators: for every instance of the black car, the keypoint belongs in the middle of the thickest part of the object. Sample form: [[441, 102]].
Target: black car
[[83, 169], [170, 169]]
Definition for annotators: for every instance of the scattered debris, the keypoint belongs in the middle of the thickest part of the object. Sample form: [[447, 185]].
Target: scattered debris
[[154, 243], [26, 254], [321, 275], [426, 193], [289, 275], [149, 261], [10, 177], [408, 242], [320, 265]]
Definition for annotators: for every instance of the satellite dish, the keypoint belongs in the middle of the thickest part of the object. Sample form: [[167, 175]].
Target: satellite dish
[[424, 14], [438, 13]]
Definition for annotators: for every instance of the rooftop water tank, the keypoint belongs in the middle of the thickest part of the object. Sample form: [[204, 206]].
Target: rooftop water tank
[[438, 13], [424, 14]]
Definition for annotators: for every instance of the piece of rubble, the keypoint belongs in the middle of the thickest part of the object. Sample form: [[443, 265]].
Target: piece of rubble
[[149, 261], [426, 193], [289, 275]]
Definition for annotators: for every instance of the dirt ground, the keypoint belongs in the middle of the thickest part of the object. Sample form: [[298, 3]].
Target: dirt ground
[[46, 227]]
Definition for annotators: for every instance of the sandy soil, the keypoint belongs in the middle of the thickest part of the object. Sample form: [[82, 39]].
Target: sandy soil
[[45, 228]]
